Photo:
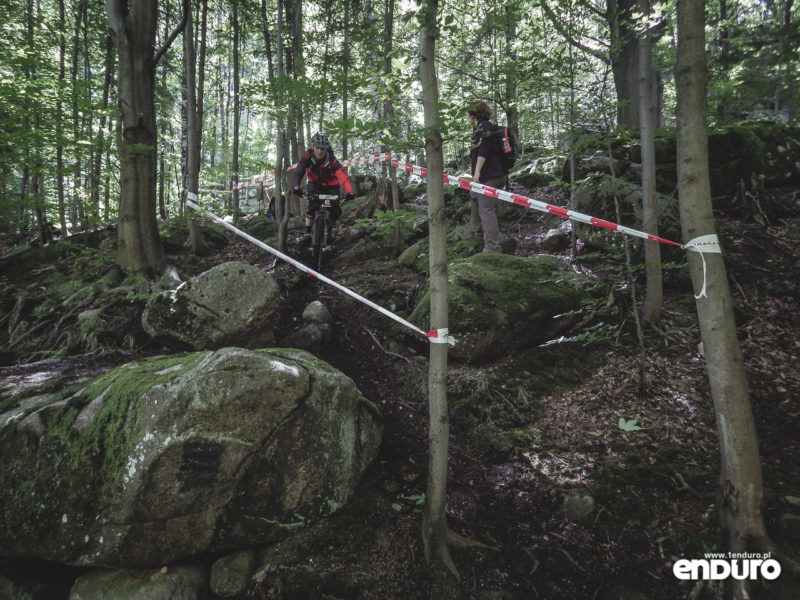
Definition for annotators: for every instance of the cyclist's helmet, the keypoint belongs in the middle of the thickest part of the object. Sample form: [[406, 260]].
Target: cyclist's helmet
[[320, 140]]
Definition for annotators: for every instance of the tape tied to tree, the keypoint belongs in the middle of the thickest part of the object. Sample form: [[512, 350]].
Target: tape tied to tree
[[704, 244], [441, 336]]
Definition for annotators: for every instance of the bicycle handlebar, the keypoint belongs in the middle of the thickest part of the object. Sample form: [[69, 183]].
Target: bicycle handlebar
[[326, 199]]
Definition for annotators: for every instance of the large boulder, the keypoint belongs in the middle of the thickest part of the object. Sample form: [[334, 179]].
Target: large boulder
[[170, 457], [231, 304], [500, 303], [174, 583]]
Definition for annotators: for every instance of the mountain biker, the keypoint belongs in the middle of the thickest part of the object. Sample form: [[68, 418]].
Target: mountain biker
[[325, 176]]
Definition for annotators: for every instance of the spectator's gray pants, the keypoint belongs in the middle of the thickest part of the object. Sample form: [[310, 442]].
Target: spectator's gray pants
[[483, 215]]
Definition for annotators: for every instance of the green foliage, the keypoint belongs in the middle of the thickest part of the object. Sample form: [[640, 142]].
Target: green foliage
[[529, 75], [628, 426]]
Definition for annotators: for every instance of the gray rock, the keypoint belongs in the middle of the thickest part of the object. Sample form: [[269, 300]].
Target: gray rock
[[312, 337], [317, 312], [171, 457], [555, 240], [167, 583], [231, 304], [231, 574], [578, 507]]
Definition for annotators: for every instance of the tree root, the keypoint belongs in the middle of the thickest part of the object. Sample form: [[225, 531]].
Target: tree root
[[27, 333], [375, 339], [766, 545], [460, 541]]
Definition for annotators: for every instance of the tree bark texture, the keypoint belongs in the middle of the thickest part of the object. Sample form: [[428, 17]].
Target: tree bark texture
[[653, 300], [133, 30], [434, 520], [741, 488]]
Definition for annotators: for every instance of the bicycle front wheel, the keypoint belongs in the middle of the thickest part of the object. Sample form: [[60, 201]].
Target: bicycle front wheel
[[317, 235]]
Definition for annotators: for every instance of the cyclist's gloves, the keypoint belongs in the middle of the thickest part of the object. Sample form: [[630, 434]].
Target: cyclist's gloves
[[298, 191], [349, 197]]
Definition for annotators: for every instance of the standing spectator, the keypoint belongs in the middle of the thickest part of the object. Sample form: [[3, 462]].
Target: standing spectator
[[487, 168]]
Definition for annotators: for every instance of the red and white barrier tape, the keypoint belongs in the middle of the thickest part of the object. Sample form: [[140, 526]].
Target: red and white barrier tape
[[437, 336], [704, 244]]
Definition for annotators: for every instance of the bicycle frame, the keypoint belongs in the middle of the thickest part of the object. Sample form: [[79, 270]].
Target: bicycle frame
[[320, 224]]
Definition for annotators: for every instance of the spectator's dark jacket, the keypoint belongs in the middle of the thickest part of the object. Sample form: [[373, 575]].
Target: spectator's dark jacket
[[487, 145]]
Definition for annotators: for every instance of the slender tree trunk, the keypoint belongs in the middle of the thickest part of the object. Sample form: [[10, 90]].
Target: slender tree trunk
[[346, 71], [99, 149], [62, 47], [193, 137], [281, 208], [201, 76], [741, 489], [624, 58], [93, 179], [434, 519], [76, 206], [653, 301], [510, 84], [389, 119], [37, 192], [236, 109]]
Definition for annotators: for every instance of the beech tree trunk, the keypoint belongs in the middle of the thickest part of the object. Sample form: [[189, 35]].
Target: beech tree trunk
[[434, 519], [133, 28], [740, 485]]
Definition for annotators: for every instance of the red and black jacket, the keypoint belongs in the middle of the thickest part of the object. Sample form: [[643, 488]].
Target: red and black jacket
[[326, 172]]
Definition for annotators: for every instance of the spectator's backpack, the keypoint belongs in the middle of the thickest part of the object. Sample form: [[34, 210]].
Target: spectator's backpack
[[507, 144]]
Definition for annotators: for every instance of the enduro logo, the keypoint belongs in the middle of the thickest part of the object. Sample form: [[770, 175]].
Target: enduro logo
[[743, 565]]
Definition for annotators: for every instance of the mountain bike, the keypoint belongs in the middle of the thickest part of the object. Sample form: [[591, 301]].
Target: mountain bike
[[321, 227]]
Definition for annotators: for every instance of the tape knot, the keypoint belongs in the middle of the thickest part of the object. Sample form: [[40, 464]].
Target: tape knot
[[441, 336]]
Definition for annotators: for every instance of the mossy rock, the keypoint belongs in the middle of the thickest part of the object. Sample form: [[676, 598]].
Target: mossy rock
[[174, 233], [170, 457], [362, 183], [214, 235], [375, 236], [596, 197], [413, 191], [460, 244], [262, 228], [500, 303]]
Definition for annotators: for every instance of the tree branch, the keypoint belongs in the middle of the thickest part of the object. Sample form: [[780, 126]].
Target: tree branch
[[560, 28], [174, 34]]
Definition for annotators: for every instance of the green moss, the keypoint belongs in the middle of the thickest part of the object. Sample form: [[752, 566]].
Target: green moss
[[495, 289], [40, 472], [488, 439], [113, 431]]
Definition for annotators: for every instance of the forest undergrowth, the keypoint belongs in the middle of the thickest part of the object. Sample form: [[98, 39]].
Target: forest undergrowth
[[576, 485]]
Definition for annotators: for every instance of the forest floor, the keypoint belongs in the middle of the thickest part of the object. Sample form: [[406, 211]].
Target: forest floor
[[589, 488]]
